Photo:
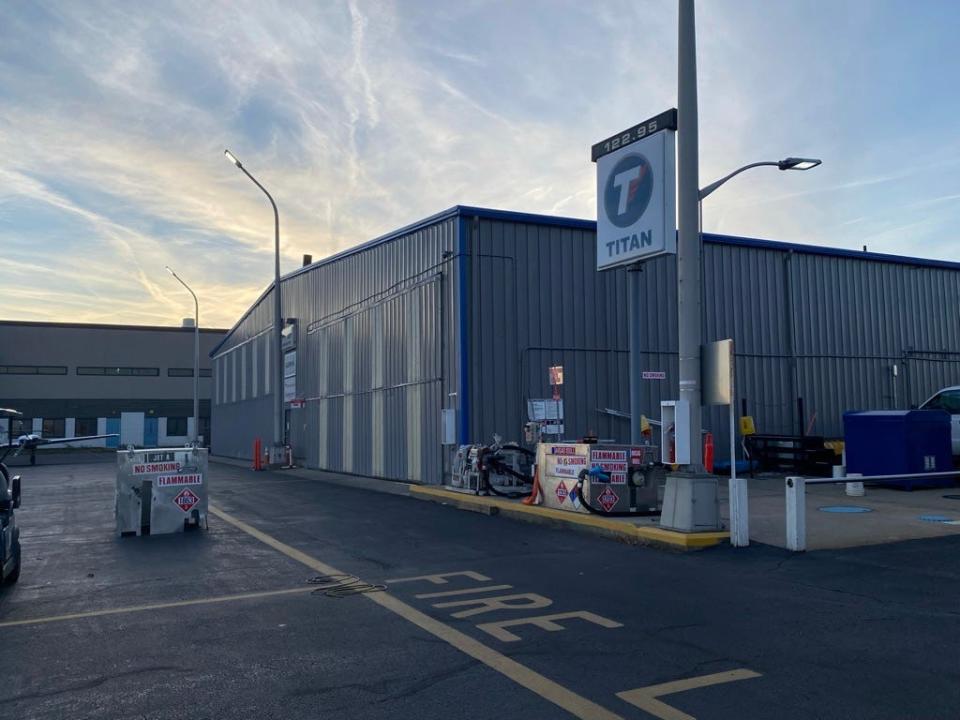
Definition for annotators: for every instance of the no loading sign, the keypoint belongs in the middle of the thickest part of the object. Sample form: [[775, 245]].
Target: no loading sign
[[186, 499]]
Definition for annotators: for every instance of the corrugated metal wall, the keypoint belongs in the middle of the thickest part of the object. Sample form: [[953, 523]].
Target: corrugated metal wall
[[379, 344], [819, 327], [376, 360]]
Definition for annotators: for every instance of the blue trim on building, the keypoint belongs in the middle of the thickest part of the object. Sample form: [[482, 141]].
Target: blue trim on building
[[463, 300], [464, 211]]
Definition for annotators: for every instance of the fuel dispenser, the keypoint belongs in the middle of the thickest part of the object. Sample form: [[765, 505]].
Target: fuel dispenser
[[498, 469], [613, 480], [161, 490]]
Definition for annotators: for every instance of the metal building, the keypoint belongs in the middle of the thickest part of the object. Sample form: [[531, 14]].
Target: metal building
[[71, 379], [463, 312]]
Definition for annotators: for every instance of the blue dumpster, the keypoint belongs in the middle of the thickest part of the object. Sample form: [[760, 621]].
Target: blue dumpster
[[897, 442]]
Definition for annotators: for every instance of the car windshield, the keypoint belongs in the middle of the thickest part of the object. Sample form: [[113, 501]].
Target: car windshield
[[948, 400]]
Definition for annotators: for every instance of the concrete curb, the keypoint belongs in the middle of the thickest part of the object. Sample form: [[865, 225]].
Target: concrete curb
[[616, 529]]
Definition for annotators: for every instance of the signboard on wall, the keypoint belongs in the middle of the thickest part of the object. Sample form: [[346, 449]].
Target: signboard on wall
[[289, 375], [636, 193]]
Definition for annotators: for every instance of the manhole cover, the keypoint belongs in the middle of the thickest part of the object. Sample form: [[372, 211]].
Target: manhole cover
[[936, 518], [952, 497], [845, 509]]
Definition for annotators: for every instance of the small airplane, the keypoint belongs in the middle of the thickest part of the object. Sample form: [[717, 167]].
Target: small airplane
[[30, 442]]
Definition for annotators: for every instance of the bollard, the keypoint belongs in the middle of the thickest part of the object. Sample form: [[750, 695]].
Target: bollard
[[855, 489], [796, 514]]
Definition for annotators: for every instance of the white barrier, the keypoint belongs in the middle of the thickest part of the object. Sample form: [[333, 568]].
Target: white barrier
[[796, 491]]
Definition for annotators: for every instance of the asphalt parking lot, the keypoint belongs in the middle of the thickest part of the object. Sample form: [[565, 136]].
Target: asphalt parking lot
[[483, 617]]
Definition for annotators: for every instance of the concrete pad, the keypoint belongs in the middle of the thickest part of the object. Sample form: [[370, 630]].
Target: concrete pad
[[895, 514]]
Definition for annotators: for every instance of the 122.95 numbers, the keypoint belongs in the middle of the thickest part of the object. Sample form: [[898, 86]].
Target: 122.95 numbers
[[632, 135]]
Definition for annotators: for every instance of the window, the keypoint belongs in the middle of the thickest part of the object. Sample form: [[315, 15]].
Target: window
[[54, 428], [176, 426], [187, 372], [948, 400], [119, 371], [20, 426], [33, 370], [86, 426]]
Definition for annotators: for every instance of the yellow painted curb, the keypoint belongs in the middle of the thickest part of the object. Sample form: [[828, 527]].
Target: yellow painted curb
[[616, 528]]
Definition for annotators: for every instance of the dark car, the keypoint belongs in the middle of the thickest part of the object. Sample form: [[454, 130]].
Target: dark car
[[9, 532]]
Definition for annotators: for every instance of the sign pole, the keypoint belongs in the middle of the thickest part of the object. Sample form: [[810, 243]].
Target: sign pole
[[688, 238], [636, 364]]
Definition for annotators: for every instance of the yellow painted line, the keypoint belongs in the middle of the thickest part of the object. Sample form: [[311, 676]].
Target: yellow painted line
[[155, 606], [621, 528], [546, 688], [646, 698]]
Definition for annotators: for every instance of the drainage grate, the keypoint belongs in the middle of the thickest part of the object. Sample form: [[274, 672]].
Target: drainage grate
[[845, 509]]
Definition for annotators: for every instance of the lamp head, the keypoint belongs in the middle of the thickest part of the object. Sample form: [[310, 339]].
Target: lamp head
[[232, 158], [792, 163]]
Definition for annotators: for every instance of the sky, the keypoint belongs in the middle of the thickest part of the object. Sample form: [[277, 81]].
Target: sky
[[361, 116]]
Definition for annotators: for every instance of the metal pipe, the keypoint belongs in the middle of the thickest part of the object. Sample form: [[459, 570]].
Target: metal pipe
[[689, 279]]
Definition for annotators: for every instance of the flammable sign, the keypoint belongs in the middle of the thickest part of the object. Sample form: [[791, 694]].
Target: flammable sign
[[607, 499], [561, 492]]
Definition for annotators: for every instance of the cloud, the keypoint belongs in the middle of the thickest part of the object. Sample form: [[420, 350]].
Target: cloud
[[362, 116]]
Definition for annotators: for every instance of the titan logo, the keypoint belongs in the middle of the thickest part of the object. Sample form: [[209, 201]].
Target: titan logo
[[628, 190]]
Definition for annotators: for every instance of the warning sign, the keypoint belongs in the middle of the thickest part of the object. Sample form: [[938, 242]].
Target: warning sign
[[563, 450], [566, 465], [561, 492], [186, 499], [607, 499], [608, 455], [184, 479], [145, 468]]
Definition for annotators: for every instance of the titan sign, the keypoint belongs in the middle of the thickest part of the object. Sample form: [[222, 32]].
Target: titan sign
[[636, 198]]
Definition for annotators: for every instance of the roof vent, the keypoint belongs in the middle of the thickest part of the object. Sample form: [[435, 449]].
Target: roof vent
[[307, 259], [187, 322]]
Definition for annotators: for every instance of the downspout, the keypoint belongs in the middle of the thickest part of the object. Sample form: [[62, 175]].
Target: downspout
[[463, 310]]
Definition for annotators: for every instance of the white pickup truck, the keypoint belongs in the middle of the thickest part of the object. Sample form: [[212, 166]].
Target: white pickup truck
[[948, 399]]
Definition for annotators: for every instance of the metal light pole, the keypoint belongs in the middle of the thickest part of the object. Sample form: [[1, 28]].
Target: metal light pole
[[689, 309], [194, 436], [277, 451]]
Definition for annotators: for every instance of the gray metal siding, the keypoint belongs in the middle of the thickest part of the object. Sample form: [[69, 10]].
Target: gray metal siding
[[823, 328], [376, 360], [378, 341]]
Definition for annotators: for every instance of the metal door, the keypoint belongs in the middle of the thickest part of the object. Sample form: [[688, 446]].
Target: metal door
[[151, 432], [113, 426]]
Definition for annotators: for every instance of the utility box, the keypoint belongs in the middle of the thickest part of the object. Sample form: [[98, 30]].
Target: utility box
[[690, 504], [898, 442], [617, 478], [675, 431], [161, 490]]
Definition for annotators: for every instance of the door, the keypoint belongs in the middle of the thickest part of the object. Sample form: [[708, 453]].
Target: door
[[113, 426], [151, 432]]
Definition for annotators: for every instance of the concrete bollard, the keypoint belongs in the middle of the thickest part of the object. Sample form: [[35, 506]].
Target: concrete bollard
[[855, 489]]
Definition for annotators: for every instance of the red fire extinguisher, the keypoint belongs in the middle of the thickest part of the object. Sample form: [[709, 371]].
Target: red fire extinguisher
[[708, 452]]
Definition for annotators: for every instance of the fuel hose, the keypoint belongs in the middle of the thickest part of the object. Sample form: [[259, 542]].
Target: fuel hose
[[578, 488]]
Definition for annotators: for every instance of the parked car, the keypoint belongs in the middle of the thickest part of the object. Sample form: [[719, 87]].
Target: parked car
[[9, 532], [948, 399]]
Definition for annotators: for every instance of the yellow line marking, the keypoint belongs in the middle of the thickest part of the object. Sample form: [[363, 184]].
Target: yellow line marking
[[155, 606], [646, 698], [546, 688], [468, 591], [619, 528]]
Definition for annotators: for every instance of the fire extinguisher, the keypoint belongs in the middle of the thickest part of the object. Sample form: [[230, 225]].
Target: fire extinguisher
[[708, 452]]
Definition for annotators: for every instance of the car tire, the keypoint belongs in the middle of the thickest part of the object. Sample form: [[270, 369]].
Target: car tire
[[15, 575]]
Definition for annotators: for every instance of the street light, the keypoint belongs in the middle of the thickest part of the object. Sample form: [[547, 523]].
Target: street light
[[196, 358], [790, 163], [277, 451]]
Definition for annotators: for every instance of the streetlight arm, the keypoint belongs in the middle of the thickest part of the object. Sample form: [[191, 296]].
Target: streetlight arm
[[704, 192], [276, 214], [196, 305]]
